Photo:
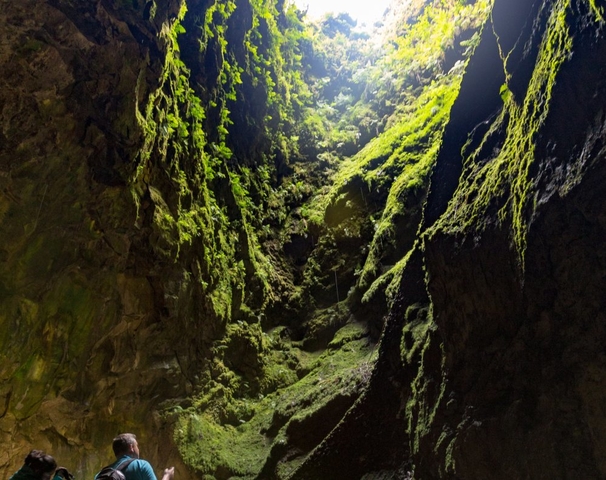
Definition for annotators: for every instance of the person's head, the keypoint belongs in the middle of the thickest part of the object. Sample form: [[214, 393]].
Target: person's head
[[42, 464], [126, 444]]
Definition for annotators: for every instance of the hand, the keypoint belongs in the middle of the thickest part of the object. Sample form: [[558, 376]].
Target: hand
[[169, 473], [64, 472]]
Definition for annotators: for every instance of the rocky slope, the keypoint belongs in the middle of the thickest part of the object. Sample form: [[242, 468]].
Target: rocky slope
[[149, 153]]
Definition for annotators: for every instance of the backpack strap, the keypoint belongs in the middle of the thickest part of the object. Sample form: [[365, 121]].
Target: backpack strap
[[125, 464]]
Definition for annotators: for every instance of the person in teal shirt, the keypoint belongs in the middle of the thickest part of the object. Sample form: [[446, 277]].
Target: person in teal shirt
[[40, 466], [125, 448]]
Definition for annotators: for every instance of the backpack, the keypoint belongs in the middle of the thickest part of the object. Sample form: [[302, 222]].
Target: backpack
[[110, 473]]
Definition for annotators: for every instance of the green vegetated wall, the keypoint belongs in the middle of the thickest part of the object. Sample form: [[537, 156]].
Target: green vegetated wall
[[277, 385], [489, 364], [129, 227], [504, 215], [208, 209], [77, 307], [165, 267]]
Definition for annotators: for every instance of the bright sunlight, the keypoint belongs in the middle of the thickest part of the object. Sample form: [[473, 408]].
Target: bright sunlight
[[364, 11]]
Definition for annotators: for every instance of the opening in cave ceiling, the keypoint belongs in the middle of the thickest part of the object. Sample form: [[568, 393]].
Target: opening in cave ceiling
[[364, 12]]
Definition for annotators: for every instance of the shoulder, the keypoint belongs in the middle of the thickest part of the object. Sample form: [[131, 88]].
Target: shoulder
[[142, 469], [24, 473], [140, 463]]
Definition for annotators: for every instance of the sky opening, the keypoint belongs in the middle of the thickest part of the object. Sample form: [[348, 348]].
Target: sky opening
[[363, 11]]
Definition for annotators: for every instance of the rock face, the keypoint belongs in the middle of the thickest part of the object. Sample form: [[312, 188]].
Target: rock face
[[82, 333], [490, 362], [126, 242]]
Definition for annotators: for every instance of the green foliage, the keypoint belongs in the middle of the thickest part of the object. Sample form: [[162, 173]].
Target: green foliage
[[406, 170], [176, 141], [273, 55], [360, 84], [395, 100]]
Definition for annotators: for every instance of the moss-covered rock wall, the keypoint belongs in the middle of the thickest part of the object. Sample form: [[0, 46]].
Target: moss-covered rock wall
[[267, 273], [83, 346], [490, 364], [126, 230], [142, 145]]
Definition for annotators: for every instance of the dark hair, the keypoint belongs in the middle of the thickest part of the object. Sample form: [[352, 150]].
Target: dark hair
[[122, 443], [40, 462]]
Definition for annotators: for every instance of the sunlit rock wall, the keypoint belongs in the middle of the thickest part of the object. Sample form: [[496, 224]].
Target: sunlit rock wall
[[492, 361]]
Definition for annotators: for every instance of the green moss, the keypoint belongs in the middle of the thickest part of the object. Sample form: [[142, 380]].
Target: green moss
[[33, 45], [340, 371], [387, 284], [175, 140], [597, 10], [408, 167], [349, 333], [34, 373], [391, 173], [211, 207], [405, 143], [224, 436], [504, 179], [223, 451], [419, 338], [78, 302], [418, 325], [56, 330]]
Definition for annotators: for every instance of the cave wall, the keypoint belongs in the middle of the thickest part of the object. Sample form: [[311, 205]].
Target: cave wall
[[126, 218], [535, 324], [490, 363], [493, 367], [84, 351], [531, 320]]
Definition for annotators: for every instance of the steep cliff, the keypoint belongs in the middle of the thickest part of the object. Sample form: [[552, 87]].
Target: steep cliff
[[274, 250], [82, 322], [147, 184], [490, 363]]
